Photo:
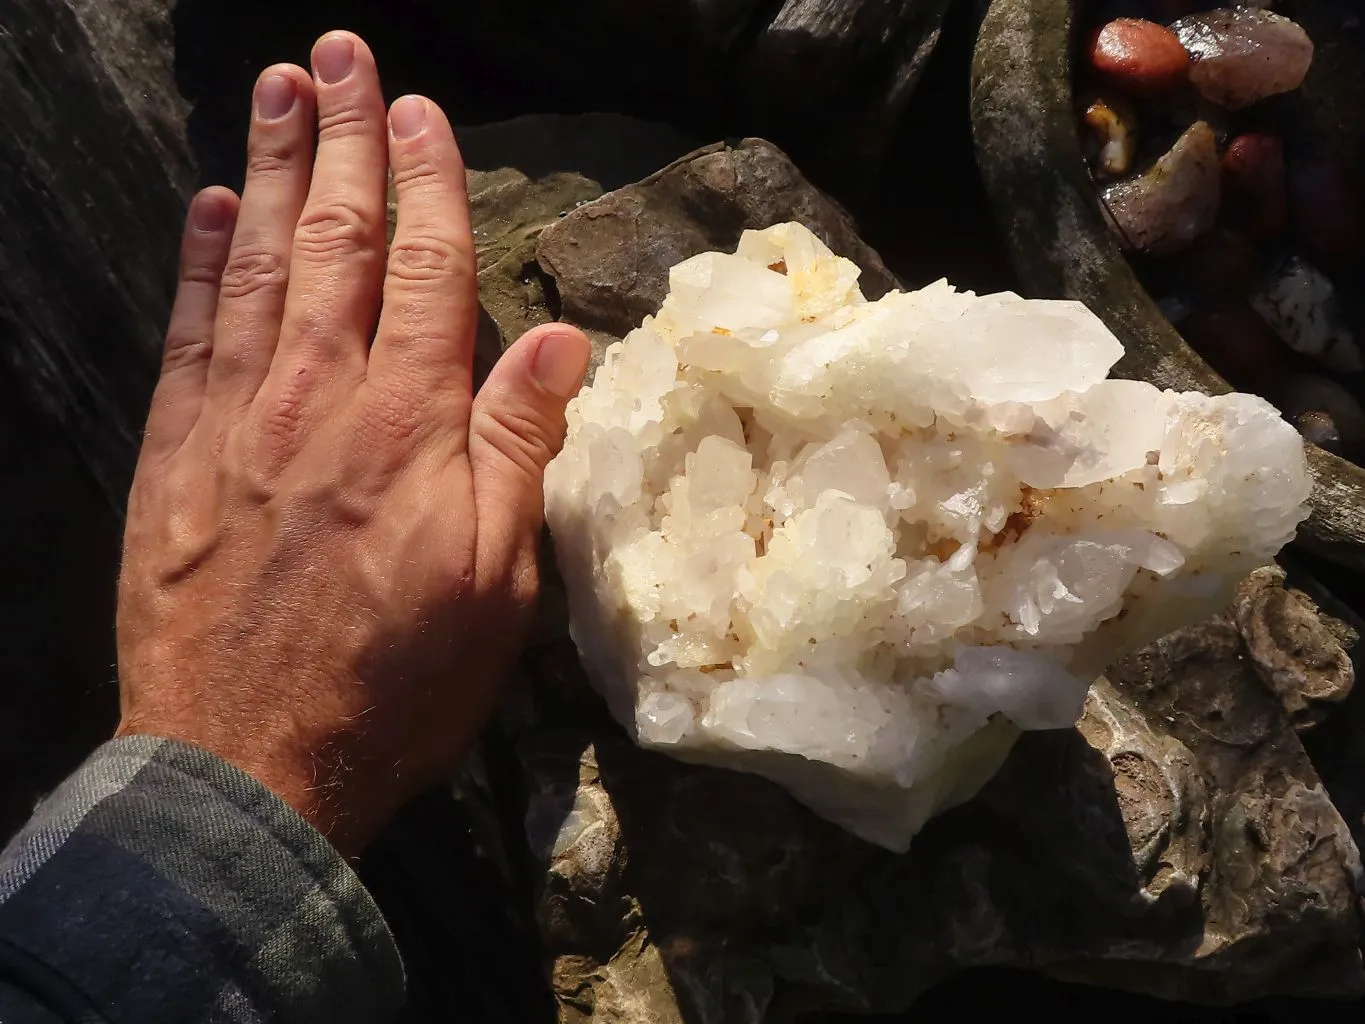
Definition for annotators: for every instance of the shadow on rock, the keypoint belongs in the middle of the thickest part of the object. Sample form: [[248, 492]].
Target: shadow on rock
[[1175, 843]]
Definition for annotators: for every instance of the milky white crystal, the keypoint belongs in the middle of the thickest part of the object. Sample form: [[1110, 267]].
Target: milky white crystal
[[856, 546]]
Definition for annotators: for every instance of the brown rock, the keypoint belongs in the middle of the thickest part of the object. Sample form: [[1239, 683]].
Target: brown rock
[[610, 259], [1139, 57], [1254, 183], [1296, 654], [1253, 164], [1113, 137]]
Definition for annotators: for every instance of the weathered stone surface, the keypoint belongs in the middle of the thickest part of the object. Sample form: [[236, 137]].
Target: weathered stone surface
[[1298, 652], [1178, 842], [95, 170]]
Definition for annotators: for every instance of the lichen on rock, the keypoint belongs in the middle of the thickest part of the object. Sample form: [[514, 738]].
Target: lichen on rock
[[856, 546]]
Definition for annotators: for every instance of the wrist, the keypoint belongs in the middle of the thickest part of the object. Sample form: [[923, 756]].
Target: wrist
[[313, 785]]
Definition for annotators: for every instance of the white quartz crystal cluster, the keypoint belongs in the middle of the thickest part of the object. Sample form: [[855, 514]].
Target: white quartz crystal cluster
[[856, 546]]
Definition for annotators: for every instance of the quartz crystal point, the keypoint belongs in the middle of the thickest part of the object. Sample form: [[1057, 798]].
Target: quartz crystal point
[[856, 546]]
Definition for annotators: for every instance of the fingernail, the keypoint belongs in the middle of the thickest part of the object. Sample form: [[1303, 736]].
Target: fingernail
[[560, 364], [333, 58], [211, 214], [408, 117], [275, 97]]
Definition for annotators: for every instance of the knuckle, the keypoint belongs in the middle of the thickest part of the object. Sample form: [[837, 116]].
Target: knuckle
[[279, 413], [456, 576], [337, 228], [419, 174], [346, 121], [282, 416], [200, 268], [252, 269], [185, 348], [420, 259], [391, 419], [518, 437], [270, 159]]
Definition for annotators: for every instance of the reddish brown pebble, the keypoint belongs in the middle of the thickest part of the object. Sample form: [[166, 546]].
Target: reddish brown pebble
[[1326, 215], [1139, 57], [1238, 344], [1221, 264], [1253, 164], [1253, 176]]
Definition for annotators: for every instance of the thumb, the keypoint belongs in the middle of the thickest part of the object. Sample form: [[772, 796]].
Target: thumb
[[515, 428]]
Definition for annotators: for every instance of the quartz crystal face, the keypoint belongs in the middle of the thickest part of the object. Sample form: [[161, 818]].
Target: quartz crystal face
[[857, 546]]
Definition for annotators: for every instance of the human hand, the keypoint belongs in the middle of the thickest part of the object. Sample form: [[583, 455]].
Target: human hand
[[330, 557]]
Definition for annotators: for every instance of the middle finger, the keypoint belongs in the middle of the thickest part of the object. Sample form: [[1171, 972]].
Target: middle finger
[[336, 271], [255, 280]]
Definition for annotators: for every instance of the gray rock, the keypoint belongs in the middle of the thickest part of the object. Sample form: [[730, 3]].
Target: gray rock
[[95, 172], [1177, 842]]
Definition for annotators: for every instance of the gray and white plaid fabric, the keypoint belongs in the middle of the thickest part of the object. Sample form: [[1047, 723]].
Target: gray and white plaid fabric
[[160, 884]]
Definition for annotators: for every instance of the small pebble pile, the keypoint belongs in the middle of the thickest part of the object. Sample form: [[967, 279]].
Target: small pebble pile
[[1246, 228]]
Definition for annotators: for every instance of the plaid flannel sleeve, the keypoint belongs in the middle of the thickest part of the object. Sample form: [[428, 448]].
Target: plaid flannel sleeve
[[159, 883]]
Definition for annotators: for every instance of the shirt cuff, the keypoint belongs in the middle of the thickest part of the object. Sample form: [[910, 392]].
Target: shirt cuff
[[161, 883]]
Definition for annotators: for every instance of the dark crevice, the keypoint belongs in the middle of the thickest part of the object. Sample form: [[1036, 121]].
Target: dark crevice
[[553, 303], [760, 20]]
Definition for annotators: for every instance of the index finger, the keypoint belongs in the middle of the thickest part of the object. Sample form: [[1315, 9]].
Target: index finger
[[424, 346]]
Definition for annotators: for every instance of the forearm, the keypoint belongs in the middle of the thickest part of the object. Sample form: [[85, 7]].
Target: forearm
[[159, 883]]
